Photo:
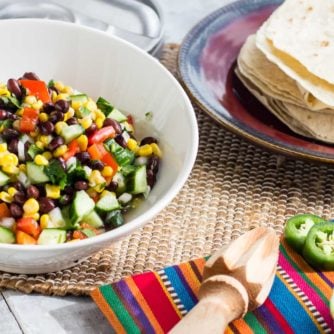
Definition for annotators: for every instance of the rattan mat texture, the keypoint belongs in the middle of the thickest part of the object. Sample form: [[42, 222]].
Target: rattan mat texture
[[233, 186]]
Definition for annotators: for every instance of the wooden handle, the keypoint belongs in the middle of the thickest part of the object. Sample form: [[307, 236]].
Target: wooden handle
[[222, 299]]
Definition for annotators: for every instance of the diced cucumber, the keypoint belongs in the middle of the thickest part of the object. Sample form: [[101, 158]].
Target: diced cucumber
[[56, 219], [89, 233], [82, 112], [33, 150], [6, 236], [71, 164], [126, 170], [104, 105], [117, 115], [107, 203], [36, 173], [121, 183], [136, 181], [82, 205], [4, 179], [114, 219], [127, 126], [122, 155], [125, 198], [93, 219], [71, 132], [79, 97], [51, 236]]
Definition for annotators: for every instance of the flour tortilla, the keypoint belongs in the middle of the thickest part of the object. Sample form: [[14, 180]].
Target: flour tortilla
[[299, 39], [308, 123], [254, 65]]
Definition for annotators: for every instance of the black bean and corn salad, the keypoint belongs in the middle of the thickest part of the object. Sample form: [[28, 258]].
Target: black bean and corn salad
[[69, 167]]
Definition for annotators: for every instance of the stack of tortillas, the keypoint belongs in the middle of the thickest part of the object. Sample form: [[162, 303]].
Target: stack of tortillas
[[289, 66]]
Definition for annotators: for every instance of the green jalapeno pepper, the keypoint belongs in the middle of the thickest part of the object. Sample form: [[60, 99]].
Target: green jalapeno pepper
[[297, 228], [319, 246]]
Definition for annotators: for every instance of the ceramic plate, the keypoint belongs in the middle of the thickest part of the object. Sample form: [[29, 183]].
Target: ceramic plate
[[207, 60]]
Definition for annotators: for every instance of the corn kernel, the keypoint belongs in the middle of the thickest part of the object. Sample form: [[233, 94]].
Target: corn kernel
[[47, 155], [45, 139], [132, 145], [93, 115], [92, 193], [3, 147], [6, 197], [22, 167], [69, 114], [91, 105], [30, 99], [20, 112], [10, 169], [33, 134], [86, 122], [9, 159], [76, 105], [59, 85], [34, 216], [83, 142], [44, 221], [4, 92], [156, 150], [145, 150], [107, 171], [99, 122], [67, 90], [59, 126], [39, 144], [54, 97], [52, 191], [43, 117], [104, 193], [62, 96], [31, 206], [37, 105], [12, 191], [40, 160], [96, 178], [100, 114], [61, 150]]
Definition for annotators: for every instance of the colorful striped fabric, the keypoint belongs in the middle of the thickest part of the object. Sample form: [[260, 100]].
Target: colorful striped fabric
[[154, 302]]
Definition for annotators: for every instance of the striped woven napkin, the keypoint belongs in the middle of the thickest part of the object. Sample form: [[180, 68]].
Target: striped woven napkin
[[153, 302]]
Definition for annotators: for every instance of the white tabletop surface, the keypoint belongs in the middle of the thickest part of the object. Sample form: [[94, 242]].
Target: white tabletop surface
[[37, 314]]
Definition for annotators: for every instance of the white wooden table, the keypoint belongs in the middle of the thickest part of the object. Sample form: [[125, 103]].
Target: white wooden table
[[37, 314]]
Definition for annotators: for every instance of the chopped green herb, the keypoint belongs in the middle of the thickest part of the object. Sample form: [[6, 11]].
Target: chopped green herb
[[104, 105], [56, 173]]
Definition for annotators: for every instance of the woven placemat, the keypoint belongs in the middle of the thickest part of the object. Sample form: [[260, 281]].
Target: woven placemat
[[233, 187]]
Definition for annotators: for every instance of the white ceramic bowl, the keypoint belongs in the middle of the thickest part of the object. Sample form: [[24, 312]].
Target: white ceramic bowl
[[101, 65]]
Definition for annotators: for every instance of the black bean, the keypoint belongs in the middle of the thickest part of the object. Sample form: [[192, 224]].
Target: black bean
[[65, 199], [114, 124], [56, 116], [46, 204], [15, 210], [81, 185], [3, 114], [26, 149], [69, 235], [53, 89], [113, 185], [148, 140], [33, 192], [153, 164], [20, 198], [30, 76], [48, 107], [69, 191], [83, 157], [46, 128], [62, 106], [72, 121], [10, 134], [14, 87], [12, 146], [19, 186], [96, 164], [12, 116], [55, 143], [91, 129], [151, 178], [119, 139]]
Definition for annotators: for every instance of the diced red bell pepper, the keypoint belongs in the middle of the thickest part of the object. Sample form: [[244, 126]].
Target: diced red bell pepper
[[23, 238], [37, 88], [29, 120], [79, 235], [4, 211], [101, 135], [130, 119], [29, 226], [98, 152], [73, 149]]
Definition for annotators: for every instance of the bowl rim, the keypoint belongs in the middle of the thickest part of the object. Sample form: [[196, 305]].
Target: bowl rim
[[190, 158]]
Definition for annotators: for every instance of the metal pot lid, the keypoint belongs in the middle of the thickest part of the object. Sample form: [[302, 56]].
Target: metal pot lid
[[138, 21]]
